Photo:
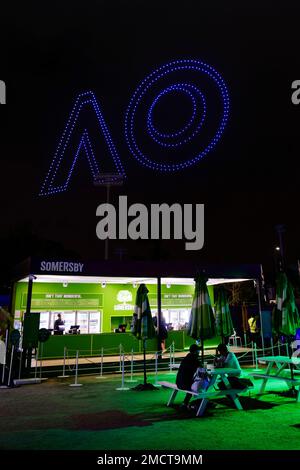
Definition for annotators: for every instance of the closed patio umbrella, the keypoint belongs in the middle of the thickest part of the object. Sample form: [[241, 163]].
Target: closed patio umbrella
[[285, 318], [201, 324], [224, 324], [143, 327]]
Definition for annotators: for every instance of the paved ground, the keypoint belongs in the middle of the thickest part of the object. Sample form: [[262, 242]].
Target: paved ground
[[96, 416]]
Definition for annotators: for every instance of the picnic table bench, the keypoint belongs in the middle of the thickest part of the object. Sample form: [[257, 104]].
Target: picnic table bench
[[280, 362], [210, 392]]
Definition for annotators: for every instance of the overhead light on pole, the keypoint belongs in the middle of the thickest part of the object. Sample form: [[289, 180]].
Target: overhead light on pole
[[107, 180]]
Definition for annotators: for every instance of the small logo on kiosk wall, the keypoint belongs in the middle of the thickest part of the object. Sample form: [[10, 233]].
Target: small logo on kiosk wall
[[124, 296], [61, 266]]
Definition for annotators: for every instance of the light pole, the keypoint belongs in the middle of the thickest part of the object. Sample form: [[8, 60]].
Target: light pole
[[280, 229], [107, 180]]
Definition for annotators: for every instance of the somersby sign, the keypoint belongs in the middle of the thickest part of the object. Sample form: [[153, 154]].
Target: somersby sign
[[61, 266]]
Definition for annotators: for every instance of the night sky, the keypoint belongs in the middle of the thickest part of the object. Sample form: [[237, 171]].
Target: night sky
[[51, 51]]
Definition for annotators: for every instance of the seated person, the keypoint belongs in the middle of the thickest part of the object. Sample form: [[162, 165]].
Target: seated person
[[186, 371], [227, 359]]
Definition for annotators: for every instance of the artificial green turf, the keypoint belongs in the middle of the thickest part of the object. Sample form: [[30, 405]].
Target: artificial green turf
[[96, 416]]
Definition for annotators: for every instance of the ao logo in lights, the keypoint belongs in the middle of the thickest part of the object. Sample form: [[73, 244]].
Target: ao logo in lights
[[191, 83]]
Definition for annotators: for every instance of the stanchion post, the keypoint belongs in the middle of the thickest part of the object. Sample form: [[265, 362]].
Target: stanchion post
[[20, 364], [76, 384], [123, 375], [245, 339], [287, 349], [41, 358], [272, 346], [156, 369], [252, 349], [255, 355], [132, 380], [4, 364], [64, 365], [10, 365], [101, 376], [120, 347], [278, 347], [171, 358], [36, 361]]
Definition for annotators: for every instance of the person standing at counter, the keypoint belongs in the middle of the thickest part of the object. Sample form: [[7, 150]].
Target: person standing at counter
[[58, 325]]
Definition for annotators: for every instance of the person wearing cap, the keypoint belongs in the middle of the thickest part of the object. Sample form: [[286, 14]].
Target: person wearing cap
[[186, 371]]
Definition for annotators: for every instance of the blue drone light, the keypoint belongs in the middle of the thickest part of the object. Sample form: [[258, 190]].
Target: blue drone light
[[190, 130], [164, 139], [84, 99], [172, 142]]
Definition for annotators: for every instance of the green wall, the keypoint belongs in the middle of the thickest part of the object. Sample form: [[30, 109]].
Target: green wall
[[90, 345], [45, 297]]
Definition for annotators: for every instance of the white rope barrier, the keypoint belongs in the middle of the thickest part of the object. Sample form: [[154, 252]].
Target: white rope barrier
[[69, 367], [76, 384], [64, 366], [123, 375]]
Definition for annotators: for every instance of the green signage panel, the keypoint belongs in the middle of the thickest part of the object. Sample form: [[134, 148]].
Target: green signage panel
[[172, 300], [63, 301]]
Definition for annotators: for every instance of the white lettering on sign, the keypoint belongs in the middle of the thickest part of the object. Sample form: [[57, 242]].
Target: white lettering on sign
[[61, 266]]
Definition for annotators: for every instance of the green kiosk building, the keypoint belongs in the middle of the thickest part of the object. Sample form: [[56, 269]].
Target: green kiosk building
[[95, 298]]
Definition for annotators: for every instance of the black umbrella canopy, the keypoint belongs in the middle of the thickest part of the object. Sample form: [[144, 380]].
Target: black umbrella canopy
[[143, 327], [286, 318], [224, 323], [202, 321]]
